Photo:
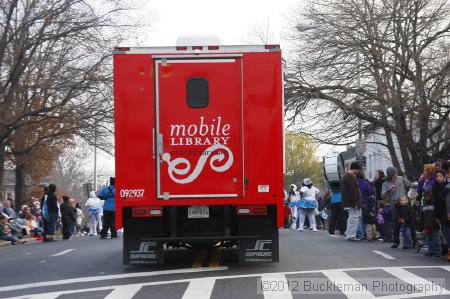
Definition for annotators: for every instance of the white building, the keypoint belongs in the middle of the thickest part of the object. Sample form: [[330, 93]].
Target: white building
[[377, 155]]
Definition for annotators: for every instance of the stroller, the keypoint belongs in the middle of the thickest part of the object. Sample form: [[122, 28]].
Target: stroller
[[16, 228]]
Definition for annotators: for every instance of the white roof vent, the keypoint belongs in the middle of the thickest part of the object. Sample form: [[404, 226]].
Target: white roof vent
[[198, 40]]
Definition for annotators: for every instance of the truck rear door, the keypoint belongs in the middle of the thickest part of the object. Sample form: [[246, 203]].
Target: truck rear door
[[199, 128]]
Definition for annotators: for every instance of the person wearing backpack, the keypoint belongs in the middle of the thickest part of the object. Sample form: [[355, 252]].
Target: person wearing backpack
[[109, 210]]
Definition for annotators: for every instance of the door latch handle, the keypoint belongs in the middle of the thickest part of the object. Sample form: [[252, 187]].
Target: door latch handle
[[160, 145]]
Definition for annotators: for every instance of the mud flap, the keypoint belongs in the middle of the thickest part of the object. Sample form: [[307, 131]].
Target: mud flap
[[262, 250], [136, 250]]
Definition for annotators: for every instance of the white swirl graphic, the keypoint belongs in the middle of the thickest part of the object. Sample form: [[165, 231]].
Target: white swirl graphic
[[173, 166]]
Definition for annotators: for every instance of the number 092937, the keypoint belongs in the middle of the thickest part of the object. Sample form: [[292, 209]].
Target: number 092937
[[132, 193]]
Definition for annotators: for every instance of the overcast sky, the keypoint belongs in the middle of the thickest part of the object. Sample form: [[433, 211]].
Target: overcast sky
[[231, 20]]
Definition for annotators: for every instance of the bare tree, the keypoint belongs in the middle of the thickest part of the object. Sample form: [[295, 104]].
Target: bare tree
[[261, 33], [70, 174], [55, 68], [382, 62]]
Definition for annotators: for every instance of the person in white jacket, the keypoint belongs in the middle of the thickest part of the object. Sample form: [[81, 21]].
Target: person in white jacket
[[94, 206], [294, 197], [307, 205]]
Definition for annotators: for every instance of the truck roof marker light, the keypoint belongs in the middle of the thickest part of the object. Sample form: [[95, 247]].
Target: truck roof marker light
[[270, 47], [213, 47], [122, 49], [181, 48]]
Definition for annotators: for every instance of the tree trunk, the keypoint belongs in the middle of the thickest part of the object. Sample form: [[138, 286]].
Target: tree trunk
[[20, 186], [2, 171], [392, 152]]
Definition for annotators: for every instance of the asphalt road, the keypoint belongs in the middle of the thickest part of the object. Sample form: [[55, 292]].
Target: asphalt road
[[312, 265]]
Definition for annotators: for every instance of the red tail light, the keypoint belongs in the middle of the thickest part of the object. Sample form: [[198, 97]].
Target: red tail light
[[197, 48], [213, 47], [139, 212], [252, 210], [181, 48]]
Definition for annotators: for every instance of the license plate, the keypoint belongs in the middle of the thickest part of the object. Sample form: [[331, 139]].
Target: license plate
[[198, 212]]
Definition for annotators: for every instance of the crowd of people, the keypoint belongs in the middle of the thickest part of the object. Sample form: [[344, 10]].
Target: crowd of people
[[391, 208], [45, 218]]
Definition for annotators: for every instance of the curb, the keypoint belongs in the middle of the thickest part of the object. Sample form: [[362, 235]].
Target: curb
[[8, 243]]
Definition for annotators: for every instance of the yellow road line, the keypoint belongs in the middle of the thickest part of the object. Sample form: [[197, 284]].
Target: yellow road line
[[198, 262], [215, 259]]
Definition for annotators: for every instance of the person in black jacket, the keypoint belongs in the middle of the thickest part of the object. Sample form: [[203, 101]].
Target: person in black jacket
[[430, 226], [351, 199], [443, 209], [369, 215], [68, 217], [403, 220], [437, 193], [50, 212]]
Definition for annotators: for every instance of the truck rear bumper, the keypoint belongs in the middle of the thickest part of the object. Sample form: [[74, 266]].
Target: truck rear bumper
[[256, 237]]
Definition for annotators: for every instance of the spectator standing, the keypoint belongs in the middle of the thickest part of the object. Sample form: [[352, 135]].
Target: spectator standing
[[324, 208], [287, 214], [444, 209], [294, 197], [50, 212], [351, 198], [94, 207], [80, 217], [109, 210], [437, 194], [403, 221], [337, 215], [366, 191], [68, 217], [430, 227], [369, 218], [426, 180], [380, 219], [393, 188]]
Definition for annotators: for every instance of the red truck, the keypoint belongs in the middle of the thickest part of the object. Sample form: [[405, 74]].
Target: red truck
[[199, 149]]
